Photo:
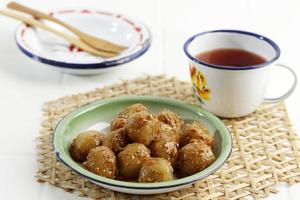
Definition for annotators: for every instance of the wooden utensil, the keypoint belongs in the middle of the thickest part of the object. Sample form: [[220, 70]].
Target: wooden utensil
[[94, 42], [71, 39]]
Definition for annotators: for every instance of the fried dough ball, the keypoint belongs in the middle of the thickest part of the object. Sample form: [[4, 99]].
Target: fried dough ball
[[165, 148], [120, 121], [102, 161], [194, 157], [165, 130], [195, 131], [116, 140], [155, 170], [135, 108], [117, 123], [83, 143], [171, 118], [142, 127], [131, 159]]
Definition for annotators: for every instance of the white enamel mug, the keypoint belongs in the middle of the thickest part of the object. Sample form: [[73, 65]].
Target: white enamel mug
[[229, 91]]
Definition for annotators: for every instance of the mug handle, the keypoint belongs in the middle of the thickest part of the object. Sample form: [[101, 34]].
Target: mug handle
[[289, 92]]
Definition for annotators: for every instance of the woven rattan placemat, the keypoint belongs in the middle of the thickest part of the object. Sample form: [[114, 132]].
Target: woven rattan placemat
[[265, 151]]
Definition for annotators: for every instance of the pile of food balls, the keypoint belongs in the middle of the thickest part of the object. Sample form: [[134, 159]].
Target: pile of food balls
[[145, 147]]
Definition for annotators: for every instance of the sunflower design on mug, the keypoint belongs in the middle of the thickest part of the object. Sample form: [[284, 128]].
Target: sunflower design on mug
[[199, 82]]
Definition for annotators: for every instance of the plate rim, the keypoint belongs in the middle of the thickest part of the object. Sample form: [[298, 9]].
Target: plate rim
[[150, 186], [141, 48]]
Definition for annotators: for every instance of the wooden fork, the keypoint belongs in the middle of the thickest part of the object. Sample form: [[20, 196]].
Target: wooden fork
[[94, 42], [71, 39]]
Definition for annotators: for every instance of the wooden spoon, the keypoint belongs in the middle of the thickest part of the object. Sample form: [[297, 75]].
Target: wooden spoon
[[94, 42], [78, 43]]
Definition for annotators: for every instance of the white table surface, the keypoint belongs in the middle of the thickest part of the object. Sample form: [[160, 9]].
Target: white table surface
[[26, 84]]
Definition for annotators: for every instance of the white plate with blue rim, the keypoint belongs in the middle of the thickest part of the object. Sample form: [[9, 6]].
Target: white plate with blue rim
[[54, 51]]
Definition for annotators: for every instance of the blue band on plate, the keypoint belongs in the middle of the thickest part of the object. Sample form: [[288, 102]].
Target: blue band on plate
[[104, 64]]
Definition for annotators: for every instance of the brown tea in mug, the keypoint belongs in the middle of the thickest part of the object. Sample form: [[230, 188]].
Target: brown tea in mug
[[230, 57]]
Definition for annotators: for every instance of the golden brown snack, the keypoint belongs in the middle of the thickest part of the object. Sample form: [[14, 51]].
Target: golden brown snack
[[102, 161], [117, 123], [131, 159], [142, 127], [165, 130], [155, 170], [162, 133], [194, 157], [165, 148], [83, 143], [116, 140], [138, 107], [171, 118], [195, 131]]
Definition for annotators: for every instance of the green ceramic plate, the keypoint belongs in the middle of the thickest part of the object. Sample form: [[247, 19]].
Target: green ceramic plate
[[100, 113]]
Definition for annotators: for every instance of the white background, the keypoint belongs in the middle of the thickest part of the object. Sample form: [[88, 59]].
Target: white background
[[26, 84]]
